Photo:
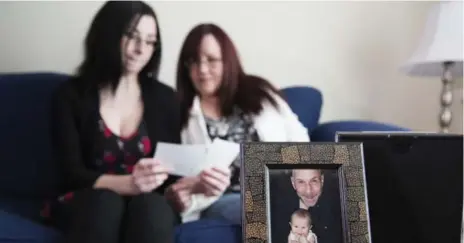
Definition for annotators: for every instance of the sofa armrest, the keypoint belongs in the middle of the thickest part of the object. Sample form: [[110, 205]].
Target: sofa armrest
[[326, 132]]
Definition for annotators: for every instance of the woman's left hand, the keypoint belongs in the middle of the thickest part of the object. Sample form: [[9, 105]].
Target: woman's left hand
[[180, 193], [214, 181], [148, 174]]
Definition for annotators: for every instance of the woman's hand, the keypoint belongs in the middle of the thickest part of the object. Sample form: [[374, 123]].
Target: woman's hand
[[180, 193], [149, 174], [213, 182], [210, 182]]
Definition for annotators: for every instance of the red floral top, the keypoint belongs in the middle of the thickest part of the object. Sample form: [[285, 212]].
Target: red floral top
[[117, 155]]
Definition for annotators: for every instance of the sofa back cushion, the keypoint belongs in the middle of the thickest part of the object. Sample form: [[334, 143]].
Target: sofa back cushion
[[306, 103]]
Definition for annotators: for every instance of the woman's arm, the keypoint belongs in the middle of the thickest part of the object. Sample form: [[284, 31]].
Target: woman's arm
[[199, 202], [121, 184], [66, 139], [170, 107]]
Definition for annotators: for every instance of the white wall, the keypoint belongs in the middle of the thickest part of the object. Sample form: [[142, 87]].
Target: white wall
[[349, 50]]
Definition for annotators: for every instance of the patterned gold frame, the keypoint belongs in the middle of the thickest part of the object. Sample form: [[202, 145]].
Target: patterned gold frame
[[257, 156]]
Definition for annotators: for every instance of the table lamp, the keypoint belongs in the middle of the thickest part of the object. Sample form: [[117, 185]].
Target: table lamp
[[440, 53]]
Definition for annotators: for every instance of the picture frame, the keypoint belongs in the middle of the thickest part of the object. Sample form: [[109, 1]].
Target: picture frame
[[279, 178]]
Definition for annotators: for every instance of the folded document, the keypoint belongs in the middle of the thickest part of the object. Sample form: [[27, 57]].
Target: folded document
[[191, 159]]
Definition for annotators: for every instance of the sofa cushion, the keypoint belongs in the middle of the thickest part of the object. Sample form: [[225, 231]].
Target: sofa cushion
[[16, 229], [25, 146], [30, 208], [206, 231], [306, 103]]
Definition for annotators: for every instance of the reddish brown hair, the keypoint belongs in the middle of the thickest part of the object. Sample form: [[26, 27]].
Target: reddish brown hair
[[237, 88]]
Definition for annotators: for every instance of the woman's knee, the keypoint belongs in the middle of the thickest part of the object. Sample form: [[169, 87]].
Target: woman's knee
[[103, 199], [149, 219], [96, 216], [101, 193], [154, 206], [151, 201], [97, 204]]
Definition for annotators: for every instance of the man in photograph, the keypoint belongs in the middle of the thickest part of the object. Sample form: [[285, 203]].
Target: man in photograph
[[314, 191]]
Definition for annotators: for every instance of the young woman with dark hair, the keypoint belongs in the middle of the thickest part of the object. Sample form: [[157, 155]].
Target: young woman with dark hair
[[107, 121], [219, 100]]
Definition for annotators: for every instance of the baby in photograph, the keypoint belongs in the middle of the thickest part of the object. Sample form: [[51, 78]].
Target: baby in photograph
[[301, 224]]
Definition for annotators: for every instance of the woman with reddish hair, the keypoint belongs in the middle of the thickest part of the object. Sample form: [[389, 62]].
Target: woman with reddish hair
[[219, 100]]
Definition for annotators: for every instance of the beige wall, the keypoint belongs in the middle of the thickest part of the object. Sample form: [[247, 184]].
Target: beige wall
[[349, 50]]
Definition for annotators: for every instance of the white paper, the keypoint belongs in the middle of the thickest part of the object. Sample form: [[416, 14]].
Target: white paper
[[182, 160], [190, 160], [221, 153]]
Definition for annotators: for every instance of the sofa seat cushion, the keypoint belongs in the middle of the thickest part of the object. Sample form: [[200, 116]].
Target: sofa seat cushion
[[14, 228], [208, 231], [28, 208]]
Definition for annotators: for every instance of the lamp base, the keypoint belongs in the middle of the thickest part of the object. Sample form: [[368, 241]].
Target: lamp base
[[446, 98]]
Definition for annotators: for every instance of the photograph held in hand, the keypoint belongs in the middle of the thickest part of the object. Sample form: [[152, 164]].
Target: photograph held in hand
[[193, 159]]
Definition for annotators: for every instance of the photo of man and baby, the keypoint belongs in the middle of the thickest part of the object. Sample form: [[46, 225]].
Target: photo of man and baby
[[301, 225], [305, 206]]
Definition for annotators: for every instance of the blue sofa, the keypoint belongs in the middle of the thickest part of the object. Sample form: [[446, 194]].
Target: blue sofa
[[307, 103], [27, 177]]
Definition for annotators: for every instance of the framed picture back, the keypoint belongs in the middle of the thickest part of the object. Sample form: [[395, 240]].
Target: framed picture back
[[304, 193], [414, 185]]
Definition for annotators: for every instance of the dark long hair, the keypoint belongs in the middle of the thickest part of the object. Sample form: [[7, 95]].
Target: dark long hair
[[247, 92], [102, 65]]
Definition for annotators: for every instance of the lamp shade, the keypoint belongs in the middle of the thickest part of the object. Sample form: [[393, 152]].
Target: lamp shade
[[442, 41]]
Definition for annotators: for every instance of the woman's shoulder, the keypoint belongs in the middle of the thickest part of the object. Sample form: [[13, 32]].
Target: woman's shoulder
[[67, 90], [278, 100], [264, 90], [75, 94]]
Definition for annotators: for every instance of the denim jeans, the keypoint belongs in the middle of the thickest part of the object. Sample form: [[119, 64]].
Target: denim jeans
[[228, 207]]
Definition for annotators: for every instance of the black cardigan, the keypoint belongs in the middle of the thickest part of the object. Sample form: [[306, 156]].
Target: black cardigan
[[74, 126]]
